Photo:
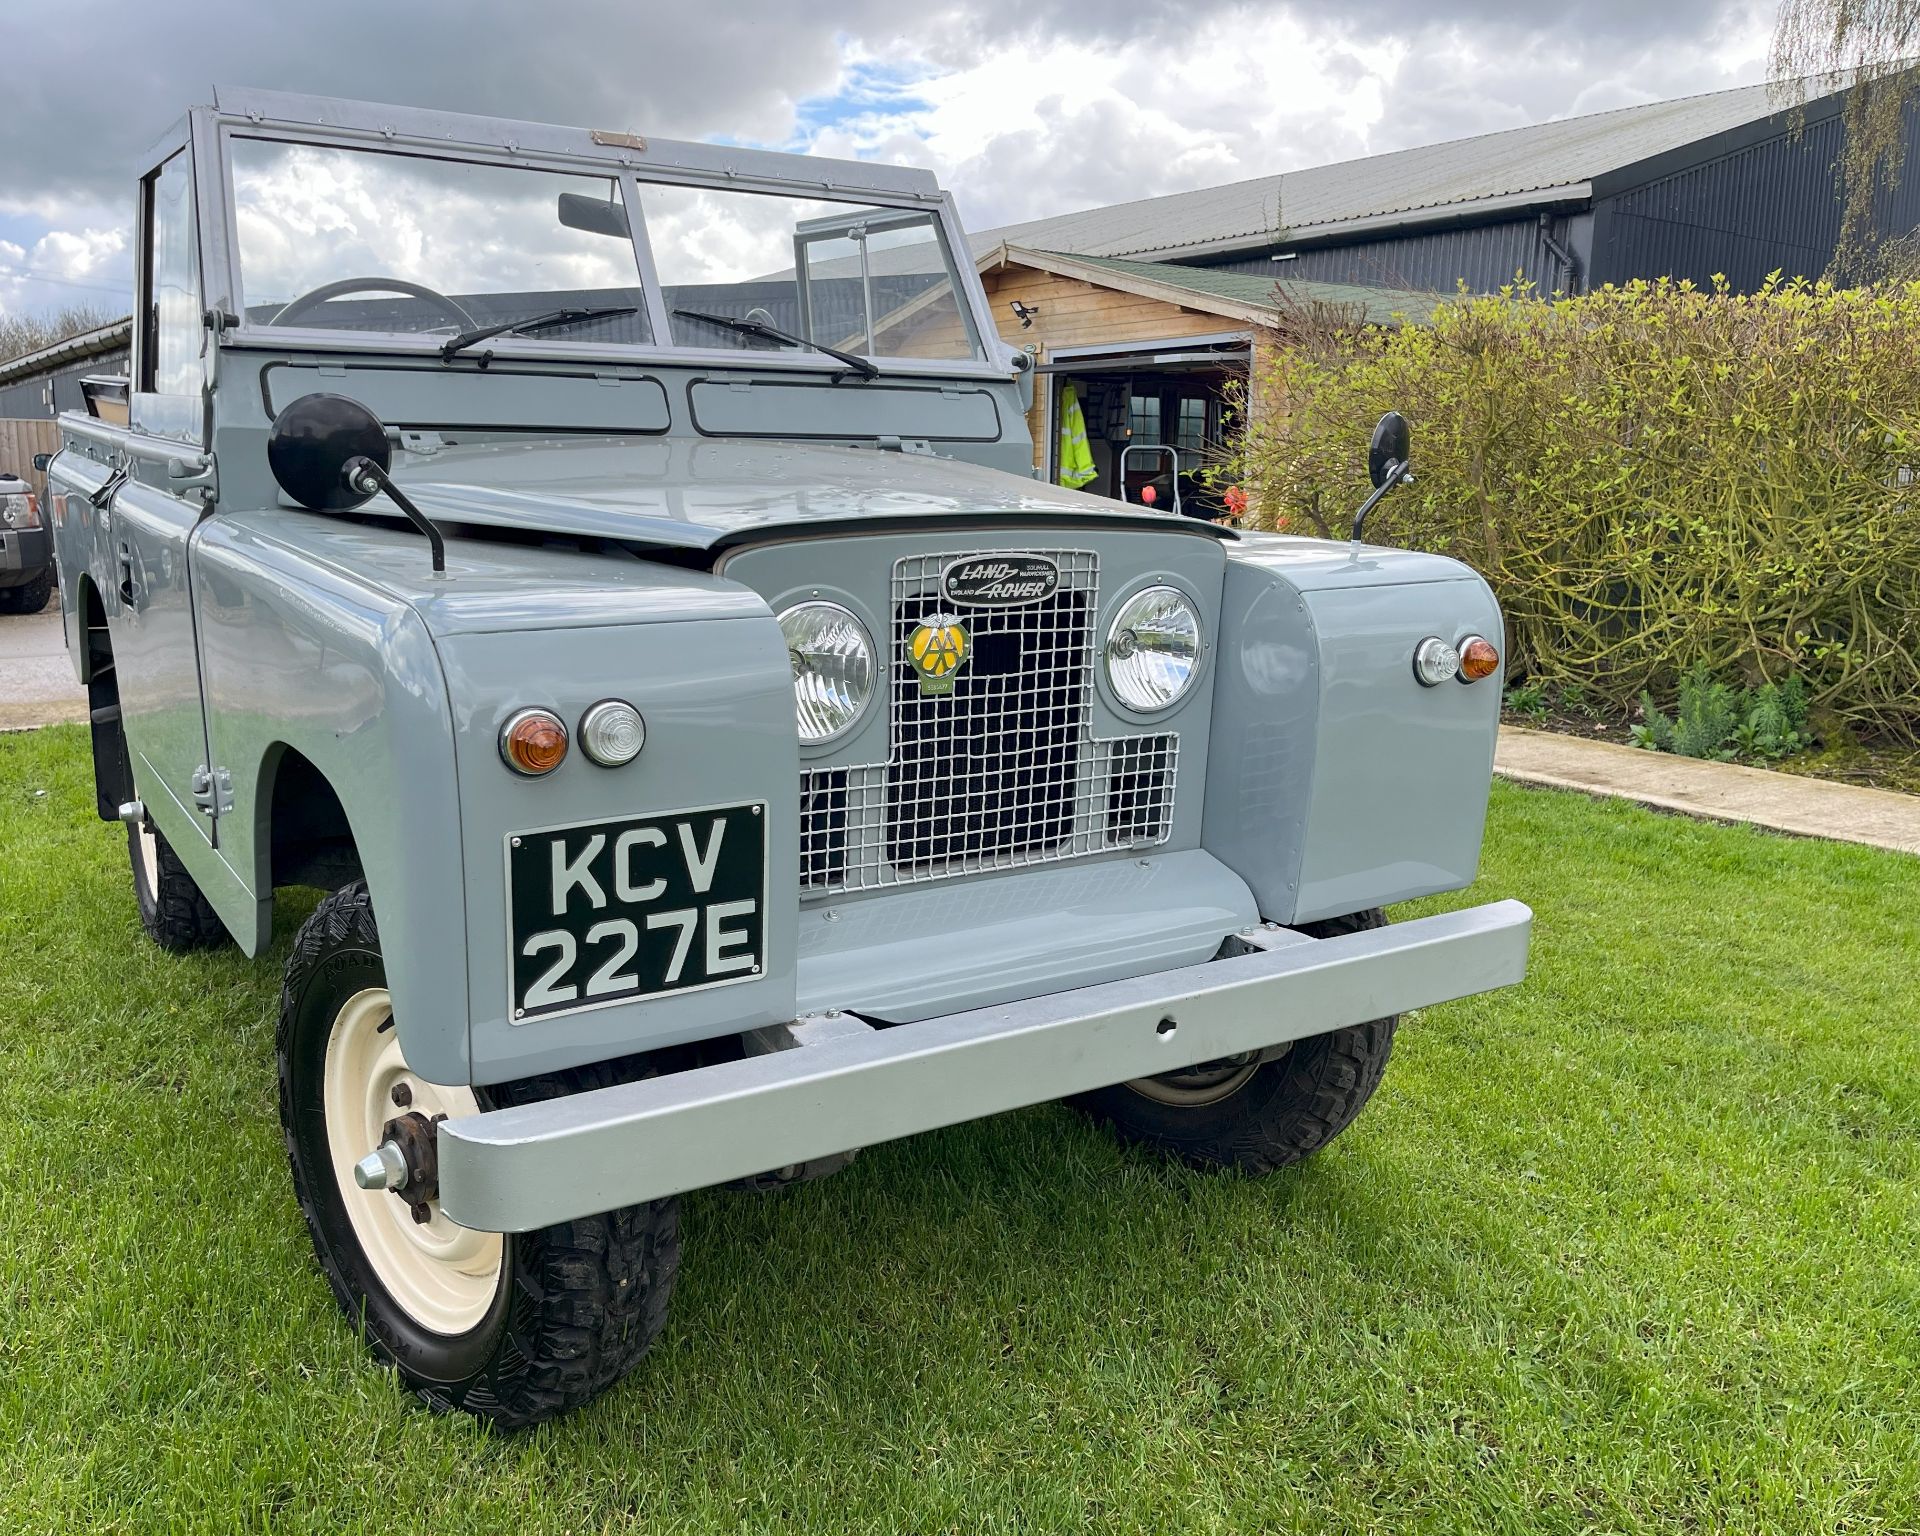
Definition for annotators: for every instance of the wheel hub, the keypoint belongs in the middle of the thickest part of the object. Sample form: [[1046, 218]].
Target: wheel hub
[[406, 1164], [1207, 1083], [442, 1275]]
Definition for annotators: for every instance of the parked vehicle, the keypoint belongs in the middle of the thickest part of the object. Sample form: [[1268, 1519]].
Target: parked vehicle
[[609, 569], [26, 553]]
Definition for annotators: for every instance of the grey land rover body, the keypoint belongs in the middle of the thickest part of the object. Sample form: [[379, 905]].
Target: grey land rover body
[[893, 788]]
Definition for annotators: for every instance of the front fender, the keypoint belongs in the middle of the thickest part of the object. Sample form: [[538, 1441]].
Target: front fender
[[297, 654], [335, 641], [717, 698], [1336, 781]]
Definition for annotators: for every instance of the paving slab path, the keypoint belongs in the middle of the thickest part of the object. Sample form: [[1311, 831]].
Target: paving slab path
[[1785, 802], [36, 676]]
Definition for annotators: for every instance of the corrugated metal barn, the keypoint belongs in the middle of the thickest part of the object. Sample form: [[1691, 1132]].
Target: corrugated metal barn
[[1728, 183], [1735, 183]]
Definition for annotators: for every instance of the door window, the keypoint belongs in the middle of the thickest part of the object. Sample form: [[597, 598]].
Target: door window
[[170, 351], [872, 280]]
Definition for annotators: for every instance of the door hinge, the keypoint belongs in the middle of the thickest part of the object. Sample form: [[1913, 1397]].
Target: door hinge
[[889, 442], [194, 479], [212, 790]]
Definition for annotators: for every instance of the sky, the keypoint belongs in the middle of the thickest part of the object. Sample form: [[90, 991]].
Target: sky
[[1022, 110]]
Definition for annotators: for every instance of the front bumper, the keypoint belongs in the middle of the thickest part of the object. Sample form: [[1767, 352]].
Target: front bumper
[[513, 1170], [24, 552]]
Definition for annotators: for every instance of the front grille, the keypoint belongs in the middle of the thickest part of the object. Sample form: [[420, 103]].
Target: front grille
[[1002, 772]]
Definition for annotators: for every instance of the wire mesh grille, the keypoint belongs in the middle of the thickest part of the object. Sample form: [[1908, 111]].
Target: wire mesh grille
[[1003, 770]]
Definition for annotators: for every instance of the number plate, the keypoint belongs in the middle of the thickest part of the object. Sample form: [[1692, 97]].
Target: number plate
[[605, 912]]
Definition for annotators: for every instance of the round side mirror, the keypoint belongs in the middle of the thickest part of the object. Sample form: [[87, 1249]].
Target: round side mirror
[[1392, 443], [312, 442]]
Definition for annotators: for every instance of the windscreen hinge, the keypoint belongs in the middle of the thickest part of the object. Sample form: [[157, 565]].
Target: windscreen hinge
[[194, 478]]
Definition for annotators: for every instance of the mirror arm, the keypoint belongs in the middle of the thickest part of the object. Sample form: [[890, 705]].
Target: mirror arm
[[366, 477], [1396, 472]]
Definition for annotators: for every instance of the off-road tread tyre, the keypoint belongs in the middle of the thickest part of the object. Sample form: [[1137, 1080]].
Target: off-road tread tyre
[[1289, 1109], [175, 915], [28, 596], [582, 1301]]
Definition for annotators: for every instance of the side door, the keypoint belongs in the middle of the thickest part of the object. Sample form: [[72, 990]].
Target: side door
[[147, 526]]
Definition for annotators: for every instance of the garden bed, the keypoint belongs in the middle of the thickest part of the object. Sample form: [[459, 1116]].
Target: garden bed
[[1872, 767]]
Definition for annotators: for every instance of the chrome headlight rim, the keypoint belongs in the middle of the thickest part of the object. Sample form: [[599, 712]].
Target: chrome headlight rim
[[864, 707], [1158, 588]]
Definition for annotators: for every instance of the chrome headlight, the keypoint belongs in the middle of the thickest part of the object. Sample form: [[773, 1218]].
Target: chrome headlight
[[833, 669], [1153, 649]]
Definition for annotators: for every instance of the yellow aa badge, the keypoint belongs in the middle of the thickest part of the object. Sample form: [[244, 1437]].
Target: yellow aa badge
[[938, 649]]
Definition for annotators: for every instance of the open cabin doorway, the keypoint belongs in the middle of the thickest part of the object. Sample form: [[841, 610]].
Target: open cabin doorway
[[1155, 417]]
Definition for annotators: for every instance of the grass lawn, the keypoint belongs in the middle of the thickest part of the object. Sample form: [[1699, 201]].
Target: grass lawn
[[1632, 1247]]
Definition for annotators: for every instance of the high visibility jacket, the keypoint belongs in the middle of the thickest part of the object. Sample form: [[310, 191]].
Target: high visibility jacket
[[1076, 458]]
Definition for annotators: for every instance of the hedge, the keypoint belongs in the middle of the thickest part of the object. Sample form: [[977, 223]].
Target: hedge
[[1651, 477]]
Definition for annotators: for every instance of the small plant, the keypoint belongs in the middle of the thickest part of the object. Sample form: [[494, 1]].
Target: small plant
[[1529, 699], [1575, 701], [1717, 721]]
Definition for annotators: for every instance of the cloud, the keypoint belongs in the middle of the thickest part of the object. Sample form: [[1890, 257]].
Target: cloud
[[1026, 111]]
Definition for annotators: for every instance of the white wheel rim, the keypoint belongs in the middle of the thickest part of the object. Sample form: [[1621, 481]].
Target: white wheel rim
[[441, 1275], [149, 854]]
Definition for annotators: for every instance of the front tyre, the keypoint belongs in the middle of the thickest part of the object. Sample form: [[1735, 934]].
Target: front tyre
[[1251, 1113], [513, 1328]]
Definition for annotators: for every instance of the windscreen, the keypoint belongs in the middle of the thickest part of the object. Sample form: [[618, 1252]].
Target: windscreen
[[874, 281], [347, 239]]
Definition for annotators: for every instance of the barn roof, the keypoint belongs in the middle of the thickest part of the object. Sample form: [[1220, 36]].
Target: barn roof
[[113, 337], [1510, 171]]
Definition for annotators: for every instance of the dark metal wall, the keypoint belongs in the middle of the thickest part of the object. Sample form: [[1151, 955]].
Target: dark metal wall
[[1772, 207], [1485, 256], [48, 394]]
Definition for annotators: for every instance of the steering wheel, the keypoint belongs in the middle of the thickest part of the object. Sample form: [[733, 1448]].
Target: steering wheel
[[315, 297]]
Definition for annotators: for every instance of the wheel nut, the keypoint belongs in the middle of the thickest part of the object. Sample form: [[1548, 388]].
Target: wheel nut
[[402, 1094], [385, 1167]]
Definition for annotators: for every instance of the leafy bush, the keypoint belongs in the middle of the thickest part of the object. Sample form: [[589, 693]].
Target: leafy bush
[[1653, 478], [1715, 720]]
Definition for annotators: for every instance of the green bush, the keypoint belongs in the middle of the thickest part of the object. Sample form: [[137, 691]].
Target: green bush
[[1653, 478]]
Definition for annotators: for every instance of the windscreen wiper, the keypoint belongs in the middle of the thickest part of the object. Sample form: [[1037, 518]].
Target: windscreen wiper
[[858, 364], [538, 322]]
